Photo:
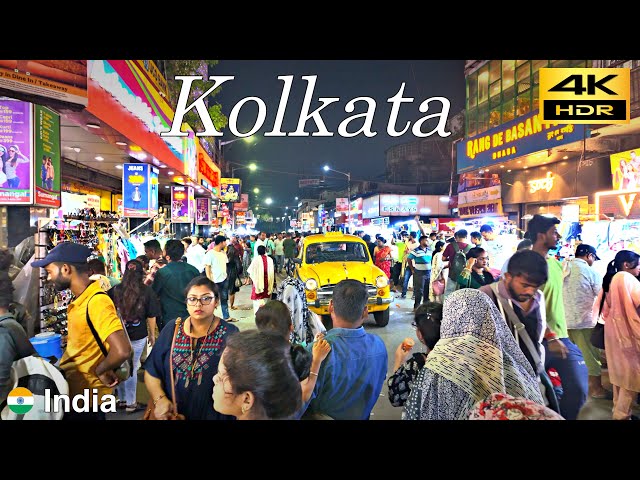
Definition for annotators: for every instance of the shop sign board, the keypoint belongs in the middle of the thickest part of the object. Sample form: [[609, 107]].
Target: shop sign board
[[203, 211], [521, 136], [182, 203], [47, 157]]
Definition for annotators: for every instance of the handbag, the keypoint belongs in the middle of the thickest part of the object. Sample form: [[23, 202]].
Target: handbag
[[438, 286], [238, 282], [597, 333], [124, 371], [149, 413]]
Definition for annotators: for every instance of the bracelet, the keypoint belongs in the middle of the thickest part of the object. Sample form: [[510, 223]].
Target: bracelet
[[158, 399], [313, 373]]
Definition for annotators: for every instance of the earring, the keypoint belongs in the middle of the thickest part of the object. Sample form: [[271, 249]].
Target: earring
[[244, 409]]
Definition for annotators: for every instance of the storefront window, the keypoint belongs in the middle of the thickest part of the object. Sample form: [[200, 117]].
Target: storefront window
[[523, 77], [520, 62], [560, 63], [536, 66], [472, 127], [508, 70], [523, 104], [483, 118], [507, 111], [494, 71], [494, 117], [536, 97], [472, 90], [483, 84]]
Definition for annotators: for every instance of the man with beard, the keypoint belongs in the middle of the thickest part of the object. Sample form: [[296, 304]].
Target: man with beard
[[83, 363], [520, 286]]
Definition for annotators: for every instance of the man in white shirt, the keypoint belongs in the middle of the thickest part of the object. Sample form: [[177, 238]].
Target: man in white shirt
[[580, 289], [216, 270], [279, 252], [262, 240], [195, 253]]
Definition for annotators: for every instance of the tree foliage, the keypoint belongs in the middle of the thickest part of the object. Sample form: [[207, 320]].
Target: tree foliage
[[201, 68]]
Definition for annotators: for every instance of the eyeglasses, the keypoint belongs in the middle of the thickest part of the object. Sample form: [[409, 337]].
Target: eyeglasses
[[203, 301]]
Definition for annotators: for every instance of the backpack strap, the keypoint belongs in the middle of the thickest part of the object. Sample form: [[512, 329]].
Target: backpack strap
[[92, 328], [507, 311]]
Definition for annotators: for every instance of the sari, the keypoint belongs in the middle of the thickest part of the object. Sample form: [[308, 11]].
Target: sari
[[383, 260]]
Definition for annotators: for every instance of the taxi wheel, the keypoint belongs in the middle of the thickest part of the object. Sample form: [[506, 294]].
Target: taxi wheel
[[381, 318]]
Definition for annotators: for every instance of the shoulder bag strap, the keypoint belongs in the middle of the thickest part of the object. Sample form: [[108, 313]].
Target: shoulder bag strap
[[92, 328], [507, 311], [173, 382]]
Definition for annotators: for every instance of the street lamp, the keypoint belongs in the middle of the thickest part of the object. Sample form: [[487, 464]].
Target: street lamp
[[256, 190], [268, 201], [252, 166], [348, 175]]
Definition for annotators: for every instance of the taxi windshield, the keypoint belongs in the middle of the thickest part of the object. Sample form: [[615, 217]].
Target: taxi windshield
[[336, 252]]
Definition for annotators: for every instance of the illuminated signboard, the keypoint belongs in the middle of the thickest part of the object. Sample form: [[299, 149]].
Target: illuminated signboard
[[182, 204], [618, 204], [545, 183], [625, 170], [522, 136]]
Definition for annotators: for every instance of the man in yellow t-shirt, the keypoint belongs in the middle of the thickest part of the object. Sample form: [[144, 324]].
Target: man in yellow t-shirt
[[83, 363]]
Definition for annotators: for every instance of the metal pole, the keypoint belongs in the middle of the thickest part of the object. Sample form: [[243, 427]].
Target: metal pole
[[349, 200]]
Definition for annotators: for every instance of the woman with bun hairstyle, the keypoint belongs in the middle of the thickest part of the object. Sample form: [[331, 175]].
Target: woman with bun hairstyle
[[259, 377], [619, 303]]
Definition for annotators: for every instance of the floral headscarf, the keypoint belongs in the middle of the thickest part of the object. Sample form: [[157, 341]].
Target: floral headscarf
[[500, 406]]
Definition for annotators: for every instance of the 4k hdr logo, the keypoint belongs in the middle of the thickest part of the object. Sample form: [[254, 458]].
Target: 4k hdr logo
[[585, 95]]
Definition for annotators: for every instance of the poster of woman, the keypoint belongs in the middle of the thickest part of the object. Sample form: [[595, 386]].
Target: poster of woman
[[16, 123]]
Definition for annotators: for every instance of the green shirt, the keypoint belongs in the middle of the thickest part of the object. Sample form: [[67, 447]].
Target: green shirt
[[401, 248], [169, 285], [289, 248], [552, 291]]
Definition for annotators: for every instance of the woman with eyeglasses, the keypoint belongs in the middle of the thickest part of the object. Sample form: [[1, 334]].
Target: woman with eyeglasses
[[407, 366], [199, 342]]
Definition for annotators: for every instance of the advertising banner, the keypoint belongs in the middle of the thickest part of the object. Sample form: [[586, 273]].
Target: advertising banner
[[240, 218], [310, 182], [476, 180], [243, 204], [135, 190], [181, 204], [190, 153], [223, 211], [62, 80], [342, 205], [47, 157], [481, 195], [203, 211], [625, 170], [153, 191], [230, 189], [513, 139], [16, 153], [208, 172]]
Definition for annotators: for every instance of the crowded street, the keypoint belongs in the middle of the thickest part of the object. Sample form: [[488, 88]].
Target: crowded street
[[307, 240]]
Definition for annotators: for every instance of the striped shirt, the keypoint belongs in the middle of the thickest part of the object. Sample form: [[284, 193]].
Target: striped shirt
[[421, 258]]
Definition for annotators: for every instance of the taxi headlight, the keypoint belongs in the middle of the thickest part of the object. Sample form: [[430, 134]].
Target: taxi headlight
[[382, 281], [311, 284]]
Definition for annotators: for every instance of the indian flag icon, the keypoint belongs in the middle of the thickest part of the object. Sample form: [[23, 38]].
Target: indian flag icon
[[20, 400]]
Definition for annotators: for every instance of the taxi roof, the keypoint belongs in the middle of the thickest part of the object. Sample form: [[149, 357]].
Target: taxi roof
[[332, 237]]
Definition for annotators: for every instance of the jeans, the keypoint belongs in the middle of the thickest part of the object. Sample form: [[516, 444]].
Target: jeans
[[421, 286], [395, 273], [127, 390], [13, 182], [405, 283], [223, 289], [450, 287], [279, 263], [573, 375]]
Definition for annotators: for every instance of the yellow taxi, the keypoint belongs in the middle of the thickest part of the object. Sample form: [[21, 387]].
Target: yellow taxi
[[326, 259]]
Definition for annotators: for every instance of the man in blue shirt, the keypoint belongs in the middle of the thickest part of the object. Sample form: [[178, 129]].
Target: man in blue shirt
[[419, 261], [351, 377]]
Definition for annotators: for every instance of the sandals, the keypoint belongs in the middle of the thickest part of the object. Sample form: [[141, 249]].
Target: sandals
[[231, 320]]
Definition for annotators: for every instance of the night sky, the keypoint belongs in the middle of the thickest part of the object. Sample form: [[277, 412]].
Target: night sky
[[363, 157]]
